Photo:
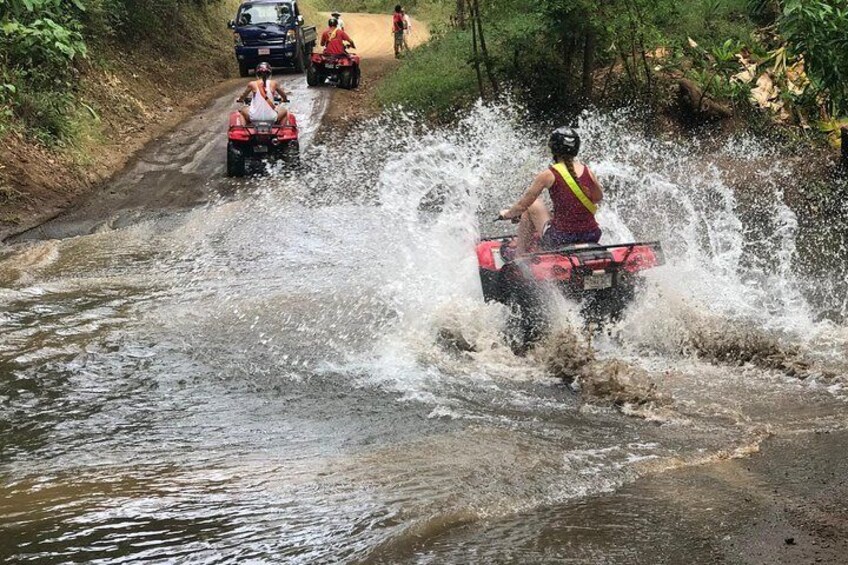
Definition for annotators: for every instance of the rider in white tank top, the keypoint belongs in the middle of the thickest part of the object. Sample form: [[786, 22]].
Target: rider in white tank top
[[261, 107]]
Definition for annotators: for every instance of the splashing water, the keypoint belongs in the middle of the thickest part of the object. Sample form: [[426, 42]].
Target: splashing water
[[273, 367]]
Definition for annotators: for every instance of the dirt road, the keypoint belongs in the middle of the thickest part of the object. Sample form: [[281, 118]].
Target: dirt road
[[186, 167], [181, 170], [374, 41]]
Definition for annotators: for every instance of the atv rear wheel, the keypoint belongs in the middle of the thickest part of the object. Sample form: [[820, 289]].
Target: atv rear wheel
[[244, 70], [346, 79], [357, 75], [291, 154], [608, 305], [526, 322], [235, 161], [313, 77]]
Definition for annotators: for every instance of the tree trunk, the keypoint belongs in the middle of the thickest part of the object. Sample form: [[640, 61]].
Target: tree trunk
[[588, 63], [460, 14], [476, 57], [486, 60], [844, 151], [568, 62]]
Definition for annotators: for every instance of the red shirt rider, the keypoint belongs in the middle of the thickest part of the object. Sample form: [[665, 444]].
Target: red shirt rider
[[333, 40]]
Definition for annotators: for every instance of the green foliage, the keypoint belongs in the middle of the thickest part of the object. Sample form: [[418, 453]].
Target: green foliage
[[433, 79], [43, 44], [818, 30]]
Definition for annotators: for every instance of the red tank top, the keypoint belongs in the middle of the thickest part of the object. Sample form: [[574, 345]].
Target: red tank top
[[570, 215]]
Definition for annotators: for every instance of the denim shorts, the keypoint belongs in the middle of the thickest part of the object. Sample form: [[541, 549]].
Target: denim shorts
[[553, 238]]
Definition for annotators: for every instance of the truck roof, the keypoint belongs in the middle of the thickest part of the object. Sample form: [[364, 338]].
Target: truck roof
[[267, 2]]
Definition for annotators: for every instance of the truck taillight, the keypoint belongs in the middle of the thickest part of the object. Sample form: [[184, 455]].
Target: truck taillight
[[237, 40]]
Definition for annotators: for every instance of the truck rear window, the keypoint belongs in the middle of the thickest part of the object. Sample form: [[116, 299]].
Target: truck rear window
[[257, 14]]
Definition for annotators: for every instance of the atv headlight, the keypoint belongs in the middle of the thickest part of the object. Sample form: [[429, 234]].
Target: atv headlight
[[291, 36]]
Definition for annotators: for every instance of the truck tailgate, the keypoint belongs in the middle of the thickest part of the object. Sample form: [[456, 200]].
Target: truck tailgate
[[310, 35]]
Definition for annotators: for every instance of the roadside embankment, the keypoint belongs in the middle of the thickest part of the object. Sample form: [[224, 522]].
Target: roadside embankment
[[121, 95]]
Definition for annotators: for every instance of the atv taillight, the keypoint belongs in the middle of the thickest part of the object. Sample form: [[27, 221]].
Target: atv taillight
[[238, 133]]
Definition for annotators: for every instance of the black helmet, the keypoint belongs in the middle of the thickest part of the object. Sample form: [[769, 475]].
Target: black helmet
[[565, 142], [333, 22], [263, 69]]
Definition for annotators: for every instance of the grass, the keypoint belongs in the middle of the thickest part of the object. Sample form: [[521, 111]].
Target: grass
[[433, 78], [428, 10]]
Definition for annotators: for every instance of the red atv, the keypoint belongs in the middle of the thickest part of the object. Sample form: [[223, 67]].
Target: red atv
[[602, 277], [260, 141], [341, 70]]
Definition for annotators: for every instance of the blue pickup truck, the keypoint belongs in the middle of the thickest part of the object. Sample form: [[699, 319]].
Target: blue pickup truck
[[272, 31]]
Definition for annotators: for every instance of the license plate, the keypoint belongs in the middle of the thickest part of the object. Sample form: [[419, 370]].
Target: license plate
[[597, 281], [264, 52], [330, 65], [260, 149], [497, 258]]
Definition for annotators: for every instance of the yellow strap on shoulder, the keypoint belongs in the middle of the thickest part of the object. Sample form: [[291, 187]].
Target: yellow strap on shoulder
[[333, 33], [575, 188]]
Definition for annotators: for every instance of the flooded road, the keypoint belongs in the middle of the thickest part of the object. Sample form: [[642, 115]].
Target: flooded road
[[261, 378]]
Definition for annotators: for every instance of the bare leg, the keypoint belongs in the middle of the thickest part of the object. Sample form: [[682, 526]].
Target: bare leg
[[532, 222], [245, 113], [282, 115]]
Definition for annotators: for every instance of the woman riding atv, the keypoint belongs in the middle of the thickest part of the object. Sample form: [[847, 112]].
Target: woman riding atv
[[575, 193], [262, 107]]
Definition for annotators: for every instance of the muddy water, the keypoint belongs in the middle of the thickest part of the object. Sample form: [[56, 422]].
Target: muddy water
[[262, 378]]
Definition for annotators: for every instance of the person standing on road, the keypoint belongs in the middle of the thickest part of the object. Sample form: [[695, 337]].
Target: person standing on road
[[339, 19], [262, 107], [398, 26], [333, 39], [407, 30]]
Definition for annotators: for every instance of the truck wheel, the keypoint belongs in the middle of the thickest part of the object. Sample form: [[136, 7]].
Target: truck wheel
[[346, 79], [300, 64], [313, 78], [235, 161], [244, 70]]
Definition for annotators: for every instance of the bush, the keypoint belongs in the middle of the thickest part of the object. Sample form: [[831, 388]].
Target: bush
[[818, 30]]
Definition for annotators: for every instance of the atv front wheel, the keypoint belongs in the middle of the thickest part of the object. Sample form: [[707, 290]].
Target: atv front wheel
[[235, 161]]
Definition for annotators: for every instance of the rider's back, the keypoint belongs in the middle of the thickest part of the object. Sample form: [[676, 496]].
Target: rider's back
[[570, 214]]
